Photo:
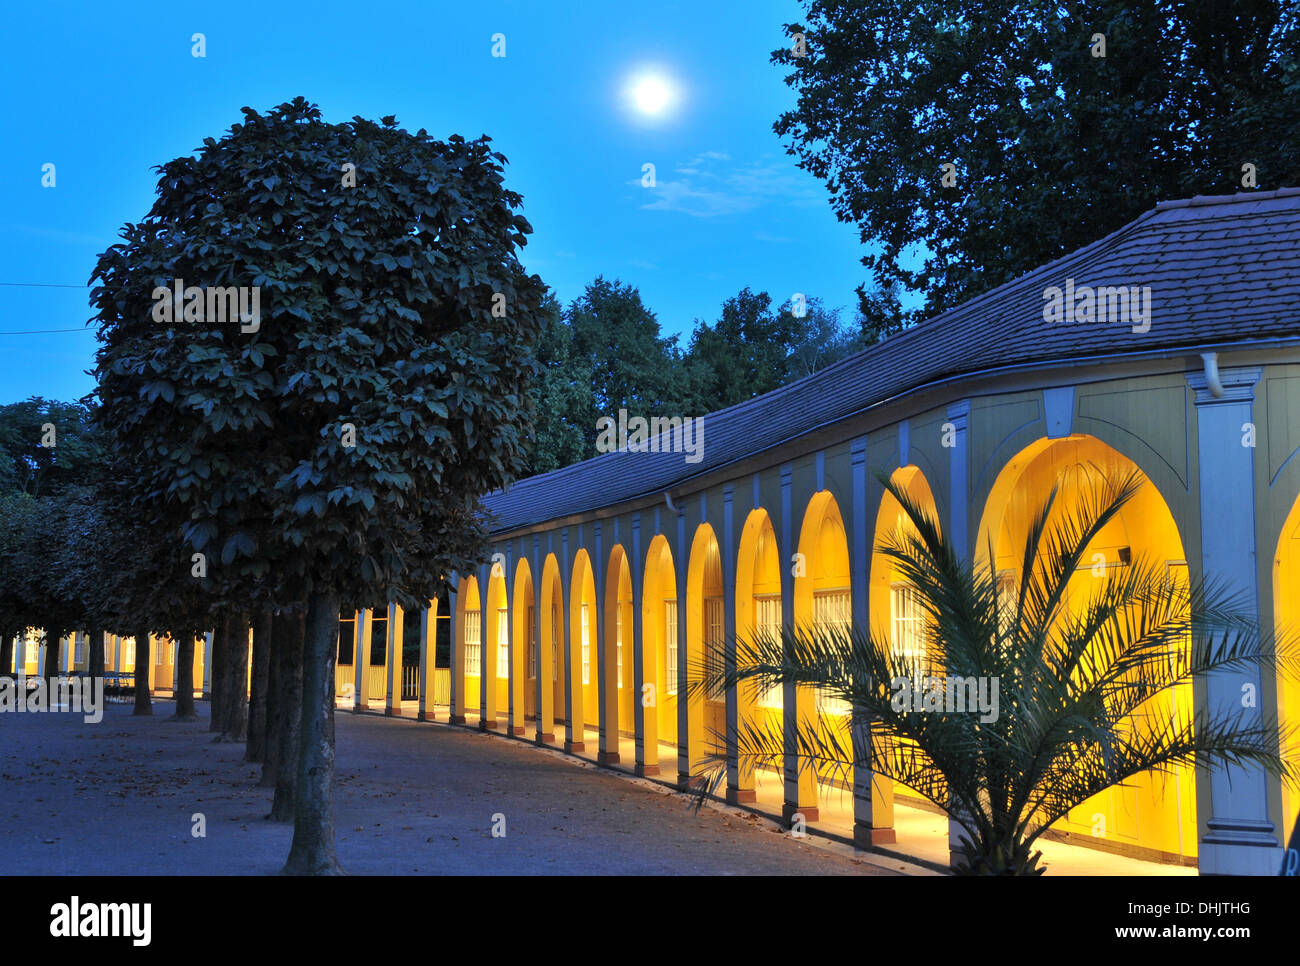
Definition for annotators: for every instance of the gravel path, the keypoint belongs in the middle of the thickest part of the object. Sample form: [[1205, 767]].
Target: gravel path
[[119, 797]]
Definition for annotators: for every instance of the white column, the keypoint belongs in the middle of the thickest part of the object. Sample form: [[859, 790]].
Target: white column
[[207, 666], [360, 660], [1239, 839], [393, 698], [958, 534]]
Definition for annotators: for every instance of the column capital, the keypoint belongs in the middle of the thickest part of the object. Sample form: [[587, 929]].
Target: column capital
[[1238, 386]]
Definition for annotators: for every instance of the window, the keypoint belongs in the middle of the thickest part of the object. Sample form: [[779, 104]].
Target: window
[[831, 609], [555, 644], [670, 639], [586, 646], [714, 654], [532, 642], [79, 648], [767, 613], [473, 637], [158, 653], [503, 644], [907, 625], [128, 653], [618, 639]]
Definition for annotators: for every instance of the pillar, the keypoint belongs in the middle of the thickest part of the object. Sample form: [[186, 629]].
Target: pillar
[[207, 665], [797, 702], [740, 783], [428, 655], [1239, 838], [873, 796], [393, 695], [958, 535], [645, 720], [456, 682], [360, 660], [606, 665]]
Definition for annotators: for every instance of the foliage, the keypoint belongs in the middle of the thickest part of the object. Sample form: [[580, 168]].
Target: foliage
[[1052, 147], [395, 306]]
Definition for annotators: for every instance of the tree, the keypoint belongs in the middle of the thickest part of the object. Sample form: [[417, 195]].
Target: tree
[[1077, 683], [998, 137], [564, 430], [330, 450], [46, 446], [820, 340], [743, 355]]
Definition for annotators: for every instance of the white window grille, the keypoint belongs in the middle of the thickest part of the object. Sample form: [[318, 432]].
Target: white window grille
[[714, 631], [503, 644], [670, 639], [767, 612], [473, 641], [907, 625], [831, 609]]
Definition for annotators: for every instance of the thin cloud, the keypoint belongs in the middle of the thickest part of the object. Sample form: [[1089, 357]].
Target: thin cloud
[[712, 185]]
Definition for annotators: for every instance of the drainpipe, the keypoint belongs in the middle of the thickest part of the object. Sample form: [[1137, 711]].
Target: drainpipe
[[668, 499], [1211, 360]]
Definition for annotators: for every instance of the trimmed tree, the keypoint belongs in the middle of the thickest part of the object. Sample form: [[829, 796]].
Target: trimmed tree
[[328, 445]]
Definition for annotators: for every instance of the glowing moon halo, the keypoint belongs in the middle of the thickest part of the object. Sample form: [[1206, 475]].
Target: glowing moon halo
[[651, 94]]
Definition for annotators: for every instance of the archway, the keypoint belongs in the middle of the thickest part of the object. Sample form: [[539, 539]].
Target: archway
[[496, 657], [584, 711], [469, 650], [823, 598], [1152, 815], [618, 685], [759, 611], [706, 716], [1286, 608], [661, 660], [523, 676], [896, 616], [551, 660]]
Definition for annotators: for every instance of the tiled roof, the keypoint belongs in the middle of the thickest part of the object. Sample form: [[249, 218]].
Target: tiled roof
[[1222, 270]]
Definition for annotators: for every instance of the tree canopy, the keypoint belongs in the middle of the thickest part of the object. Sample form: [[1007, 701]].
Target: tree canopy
[[1060, 123]]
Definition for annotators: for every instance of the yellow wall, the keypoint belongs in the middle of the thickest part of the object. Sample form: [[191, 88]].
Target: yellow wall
[[1286, 597], [1151, 811]]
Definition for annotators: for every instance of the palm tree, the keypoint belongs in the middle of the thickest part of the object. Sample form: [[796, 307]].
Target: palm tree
[[1078, 683]]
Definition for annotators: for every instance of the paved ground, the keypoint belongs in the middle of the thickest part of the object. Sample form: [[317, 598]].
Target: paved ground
[[119, 797]]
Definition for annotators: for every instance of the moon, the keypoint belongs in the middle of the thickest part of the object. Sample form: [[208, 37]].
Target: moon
[[652, 94]]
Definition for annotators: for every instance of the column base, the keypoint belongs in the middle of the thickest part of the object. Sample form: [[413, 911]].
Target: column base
[[517, 729], [866, 836], [809, 812], [1240, 847], [388, 711], [545, 740], [575, 746], [741, 796], [644, 771], [488, 725], [456, 719], [607, 757], [421, 716]]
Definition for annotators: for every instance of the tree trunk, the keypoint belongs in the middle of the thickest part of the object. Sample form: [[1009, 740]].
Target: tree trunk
[[95, 652], [51, 663], [288, 644], [6, 654], [220, 648], [263, 642], [142, 665], [312, 851], [236, 700], [185, 678]]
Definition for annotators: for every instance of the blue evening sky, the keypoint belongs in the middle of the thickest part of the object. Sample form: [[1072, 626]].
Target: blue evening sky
[[104, 91]]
